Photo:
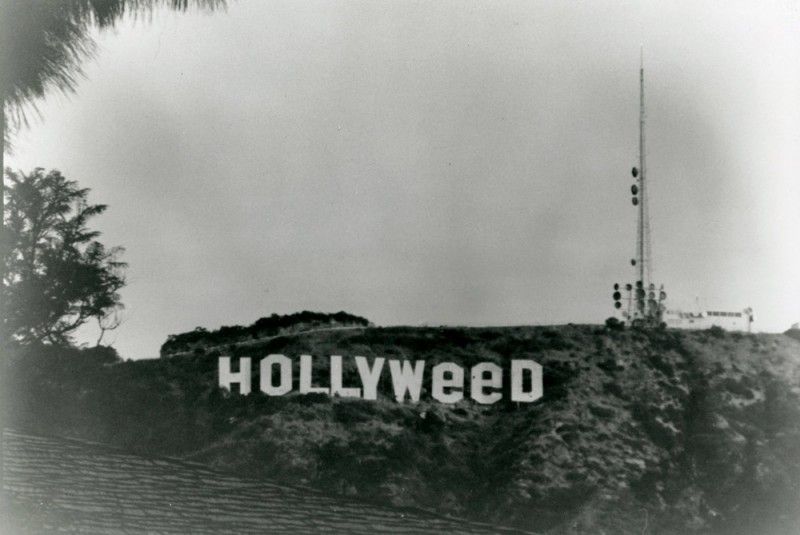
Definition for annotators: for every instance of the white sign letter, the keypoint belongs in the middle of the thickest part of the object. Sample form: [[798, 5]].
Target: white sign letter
[[285, 385], [456, 380], [479, 383], [336, 380], [305, 377], [406, 379], [369, 378], [242, 377], [518, 368]]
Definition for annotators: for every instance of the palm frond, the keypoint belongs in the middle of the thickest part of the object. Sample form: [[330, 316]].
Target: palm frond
[[43, 44]]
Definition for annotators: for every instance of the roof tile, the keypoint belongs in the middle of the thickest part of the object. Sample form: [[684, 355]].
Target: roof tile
[[66, 485]]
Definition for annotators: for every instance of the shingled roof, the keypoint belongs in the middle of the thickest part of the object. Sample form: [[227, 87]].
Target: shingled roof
[[56, 484]]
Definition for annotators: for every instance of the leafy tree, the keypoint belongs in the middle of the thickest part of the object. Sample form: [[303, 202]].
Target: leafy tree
[[57, 275], [43, 44]]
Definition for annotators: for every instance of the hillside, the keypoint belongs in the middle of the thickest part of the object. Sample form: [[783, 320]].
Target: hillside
[[637, 432], [201, 339]]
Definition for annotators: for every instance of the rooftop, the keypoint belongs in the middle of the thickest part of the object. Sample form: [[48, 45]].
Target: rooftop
[[70, 485]]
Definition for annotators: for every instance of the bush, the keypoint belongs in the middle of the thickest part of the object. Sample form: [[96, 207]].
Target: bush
[[262, 328], [716, 331], [613, 324]]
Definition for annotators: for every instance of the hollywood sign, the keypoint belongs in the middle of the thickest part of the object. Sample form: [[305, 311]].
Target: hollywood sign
[[447, 379]]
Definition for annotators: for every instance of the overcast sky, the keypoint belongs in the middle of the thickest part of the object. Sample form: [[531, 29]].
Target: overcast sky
[[435, 162]]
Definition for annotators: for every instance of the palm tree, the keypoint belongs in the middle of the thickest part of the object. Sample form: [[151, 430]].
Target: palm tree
[[42, 46]]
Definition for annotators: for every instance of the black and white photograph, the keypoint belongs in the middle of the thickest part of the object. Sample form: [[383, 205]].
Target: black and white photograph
[[400, 267]]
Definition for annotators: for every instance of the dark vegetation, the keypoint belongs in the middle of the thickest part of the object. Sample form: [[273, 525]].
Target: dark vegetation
[[56, 274], [261, 328], [638, 431]]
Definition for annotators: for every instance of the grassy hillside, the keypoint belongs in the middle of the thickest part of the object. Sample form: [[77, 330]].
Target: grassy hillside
[[637, 432]]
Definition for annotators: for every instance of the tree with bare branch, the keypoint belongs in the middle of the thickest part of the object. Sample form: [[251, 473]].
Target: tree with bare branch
[[57, 275]]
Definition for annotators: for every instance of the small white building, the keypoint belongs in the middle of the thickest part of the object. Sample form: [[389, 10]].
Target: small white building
[[730, 321]]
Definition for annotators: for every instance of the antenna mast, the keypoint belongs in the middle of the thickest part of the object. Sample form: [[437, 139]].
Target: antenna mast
[[645, 303], [640, 236]]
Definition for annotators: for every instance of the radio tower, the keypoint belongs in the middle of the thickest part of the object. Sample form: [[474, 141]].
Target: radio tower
[[643, 225], [644, 307]]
